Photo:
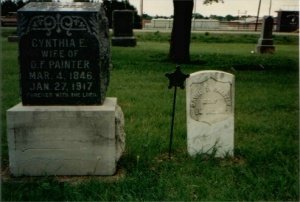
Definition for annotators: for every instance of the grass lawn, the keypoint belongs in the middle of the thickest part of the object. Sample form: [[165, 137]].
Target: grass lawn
[[266, 162]]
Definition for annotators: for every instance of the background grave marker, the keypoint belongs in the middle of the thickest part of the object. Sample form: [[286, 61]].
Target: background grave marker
[[265, 42], [123, 28]]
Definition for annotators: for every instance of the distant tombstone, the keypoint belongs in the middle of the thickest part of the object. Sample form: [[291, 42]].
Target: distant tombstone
[[64, 54], [123, 28], [210, 113], [265, 42]]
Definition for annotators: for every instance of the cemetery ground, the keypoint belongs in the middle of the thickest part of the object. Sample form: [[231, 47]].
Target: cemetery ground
[[266, 161]]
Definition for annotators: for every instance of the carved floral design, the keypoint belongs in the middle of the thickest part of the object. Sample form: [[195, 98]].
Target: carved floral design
[[59, 23]]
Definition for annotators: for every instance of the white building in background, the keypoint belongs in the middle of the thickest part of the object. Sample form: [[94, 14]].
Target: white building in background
[[205, 24], [159, 24], [197, 24], [247, 24]]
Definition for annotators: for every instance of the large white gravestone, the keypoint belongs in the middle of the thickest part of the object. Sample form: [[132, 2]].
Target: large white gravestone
[[210, 113]]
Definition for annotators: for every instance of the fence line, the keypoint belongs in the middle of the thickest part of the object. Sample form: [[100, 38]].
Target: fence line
[[198, 25]]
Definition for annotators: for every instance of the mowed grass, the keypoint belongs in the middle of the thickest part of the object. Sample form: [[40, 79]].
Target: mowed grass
[[266, 161]]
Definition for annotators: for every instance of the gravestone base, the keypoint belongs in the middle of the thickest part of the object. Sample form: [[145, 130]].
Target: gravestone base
[[12, 38], [124, 41], [65, 140], [265, 46], [265, 49]]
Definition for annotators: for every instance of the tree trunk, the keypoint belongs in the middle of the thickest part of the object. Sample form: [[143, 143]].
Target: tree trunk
[[181, 32]]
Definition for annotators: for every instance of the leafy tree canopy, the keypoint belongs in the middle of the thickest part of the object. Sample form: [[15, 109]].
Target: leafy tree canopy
[[212, 1]]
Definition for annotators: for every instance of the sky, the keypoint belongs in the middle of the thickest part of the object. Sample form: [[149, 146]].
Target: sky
[[232, 7]]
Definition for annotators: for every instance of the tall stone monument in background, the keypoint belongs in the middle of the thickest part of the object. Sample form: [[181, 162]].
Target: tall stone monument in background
[[210, 113], [65, 124], [265, 42], [123, 28]]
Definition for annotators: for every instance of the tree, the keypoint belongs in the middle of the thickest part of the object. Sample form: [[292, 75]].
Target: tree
[[81, 0], [216, 17], [181, 31], [198, 16], [231, 18], [8, 6], [147, 17], [20, 4]]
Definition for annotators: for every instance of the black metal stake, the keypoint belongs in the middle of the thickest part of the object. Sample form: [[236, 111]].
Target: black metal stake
[[176, 79], [172, 122]]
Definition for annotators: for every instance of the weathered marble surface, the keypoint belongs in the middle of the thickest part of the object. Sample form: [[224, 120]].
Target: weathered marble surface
[[210, 113], [65, 140]]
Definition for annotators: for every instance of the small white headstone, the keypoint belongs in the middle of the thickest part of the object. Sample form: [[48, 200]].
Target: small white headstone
[[210, 113]]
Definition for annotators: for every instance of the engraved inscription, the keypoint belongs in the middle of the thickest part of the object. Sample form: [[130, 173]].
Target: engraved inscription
[[59, 65], [53, 63], [210, 101], [63, 54]]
